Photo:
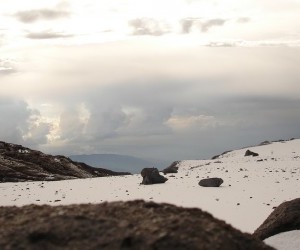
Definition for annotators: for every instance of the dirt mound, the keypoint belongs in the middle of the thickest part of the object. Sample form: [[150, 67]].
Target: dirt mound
[[18, 163], [285, 217], [118, 225]]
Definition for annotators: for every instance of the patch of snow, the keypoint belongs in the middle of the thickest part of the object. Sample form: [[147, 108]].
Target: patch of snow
[[23, 151], [285, 241], [251, 190]]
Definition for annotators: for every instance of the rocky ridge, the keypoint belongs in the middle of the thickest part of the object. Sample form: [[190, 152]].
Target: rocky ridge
[[18, 163]]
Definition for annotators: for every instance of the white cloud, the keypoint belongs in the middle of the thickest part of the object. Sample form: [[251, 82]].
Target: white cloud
[[48, 34], [179, 123], [21, 123], [30, 16], [147, 26]]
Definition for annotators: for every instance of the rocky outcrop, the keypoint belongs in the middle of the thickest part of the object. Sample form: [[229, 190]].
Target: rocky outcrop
[[118, 225], [285, 217], [218, 156], [172, 169], [250, 153], [211, 182], [265, 143], [152, 176], [18, 163]]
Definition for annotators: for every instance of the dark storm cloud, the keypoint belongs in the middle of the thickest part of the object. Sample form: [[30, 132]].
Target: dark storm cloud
[[204, 25], [166, 103], [116, 112], [30, 16], [148, 26], [132, 119], [47, 35]]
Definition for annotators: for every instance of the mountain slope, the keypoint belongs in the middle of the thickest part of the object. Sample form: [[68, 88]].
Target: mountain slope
[[252, 187], [114, 162], [18, 163]]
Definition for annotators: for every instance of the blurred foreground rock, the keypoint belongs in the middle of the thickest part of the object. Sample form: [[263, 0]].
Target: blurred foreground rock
[[286, 217], [118, 225]]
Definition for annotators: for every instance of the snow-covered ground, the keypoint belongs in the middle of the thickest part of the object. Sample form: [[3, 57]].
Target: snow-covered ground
[[250, 191], [285, 241]]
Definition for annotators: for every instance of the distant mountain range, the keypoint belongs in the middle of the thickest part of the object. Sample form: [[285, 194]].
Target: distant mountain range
[[118, 163]]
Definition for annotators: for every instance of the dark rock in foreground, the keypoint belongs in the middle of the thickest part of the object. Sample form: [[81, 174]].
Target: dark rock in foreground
[[172, 169], [250, 153], [18, 163], [285, 217], [211, 182], [152, 176], [118, 225]]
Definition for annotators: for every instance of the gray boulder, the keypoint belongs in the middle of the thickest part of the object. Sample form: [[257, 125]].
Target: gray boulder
[[152, 176], [172, 169], [211, 182]]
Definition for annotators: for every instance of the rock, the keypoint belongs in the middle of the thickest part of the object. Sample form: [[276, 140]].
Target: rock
[[152, 176], [264, 143], [172, 169], [250, 153], [286, 217], [218, 156], [211, 182], [118, 225]]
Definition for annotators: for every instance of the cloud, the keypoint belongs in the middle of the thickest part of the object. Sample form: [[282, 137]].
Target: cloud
[[180, 123], [6, 67], [47, 35], [38, 134], [20, 124], [243, 20], [70, 125], [207, 25], [1, 39], [225, 44], [31, 16], [148, 26], [187, 24], [171, 103], [204, 25]]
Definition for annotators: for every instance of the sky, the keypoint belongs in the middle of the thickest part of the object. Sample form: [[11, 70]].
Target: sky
[[171, 80]]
